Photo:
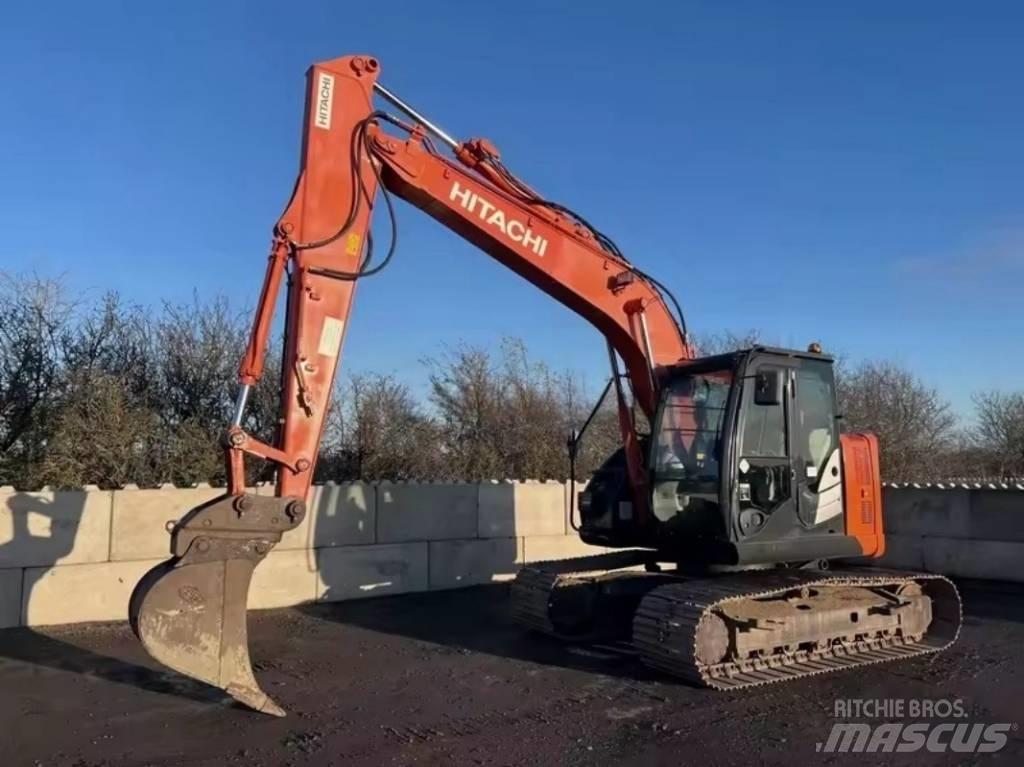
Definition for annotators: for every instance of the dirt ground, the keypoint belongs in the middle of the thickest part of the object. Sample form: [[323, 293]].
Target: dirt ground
[[443, 678]]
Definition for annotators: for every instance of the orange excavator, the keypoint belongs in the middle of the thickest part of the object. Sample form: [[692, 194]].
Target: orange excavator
[[731, 494]]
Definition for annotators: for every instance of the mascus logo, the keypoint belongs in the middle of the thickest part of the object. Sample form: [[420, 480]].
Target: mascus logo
[[494, 216], [324, 98]]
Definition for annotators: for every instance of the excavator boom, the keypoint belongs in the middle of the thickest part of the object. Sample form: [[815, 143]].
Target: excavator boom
[[190, 612]]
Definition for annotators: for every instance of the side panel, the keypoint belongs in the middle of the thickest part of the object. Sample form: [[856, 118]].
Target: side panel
[[863, 492]]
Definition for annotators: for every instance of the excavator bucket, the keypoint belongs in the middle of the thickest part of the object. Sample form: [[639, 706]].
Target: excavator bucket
[[190, 612]]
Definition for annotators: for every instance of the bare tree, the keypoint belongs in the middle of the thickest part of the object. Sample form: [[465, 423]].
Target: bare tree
[[915, 426], [115, 339], [101, 436], [198, 348], [999, 433], [510, 416], [113, 394], [33, 314], [467, 394], [175, 374], [726, 341], [377, 431]]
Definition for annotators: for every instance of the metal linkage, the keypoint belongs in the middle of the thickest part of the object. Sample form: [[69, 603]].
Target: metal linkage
[[415, 115]]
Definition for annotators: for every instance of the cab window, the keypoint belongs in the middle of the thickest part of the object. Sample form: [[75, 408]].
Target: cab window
[[764, 431], [689, 436], [815, 425]]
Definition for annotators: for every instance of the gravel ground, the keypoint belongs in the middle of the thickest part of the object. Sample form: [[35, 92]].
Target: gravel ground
[[443, 678]]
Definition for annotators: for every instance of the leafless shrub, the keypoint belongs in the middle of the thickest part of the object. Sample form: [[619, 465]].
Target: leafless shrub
[[508, 416], [915, 426], [999, 433], [377, 430], [709, 344], [33, 314], [108, 393], [101, 436]]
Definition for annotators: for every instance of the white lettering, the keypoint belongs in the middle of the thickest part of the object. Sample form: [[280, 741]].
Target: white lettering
[[485, 209], [497, 219], [494, 216], [520, 230], [462, 195], [324, 100], [535, 242]]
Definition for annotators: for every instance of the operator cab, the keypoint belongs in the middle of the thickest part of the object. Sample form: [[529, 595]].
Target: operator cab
[[744, 465]]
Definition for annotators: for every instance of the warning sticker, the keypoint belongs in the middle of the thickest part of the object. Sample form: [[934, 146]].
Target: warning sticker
[[330, 337]]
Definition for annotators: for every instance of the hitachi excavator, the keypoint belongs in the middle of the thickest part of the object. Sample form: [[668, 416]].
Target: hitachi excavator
[[732, 491]]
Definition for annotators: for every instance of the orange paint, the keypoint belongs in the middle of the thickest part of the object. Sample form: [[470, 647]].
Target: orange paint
[[470, 194], [862, 490]]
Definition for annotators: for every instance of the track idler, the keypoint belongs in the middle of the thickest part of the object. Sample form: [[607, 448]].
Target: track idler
[[190, 612]]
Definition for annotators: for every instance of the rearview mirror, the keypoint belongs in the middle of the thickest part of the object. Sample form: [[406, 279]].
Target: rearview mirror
[[768, 387]]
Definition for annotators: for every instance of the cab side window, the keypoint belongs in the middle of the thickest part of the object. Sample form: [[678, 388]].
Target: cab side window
[[816, 431], [764, 433]]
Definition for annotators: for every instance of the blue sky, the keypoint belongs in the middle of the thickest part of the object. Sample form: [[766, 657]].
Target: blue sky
[[849, 172]]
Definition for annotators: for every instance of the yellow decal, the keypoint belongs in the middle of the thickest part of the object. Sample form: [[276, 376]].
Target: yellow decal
[[352, 244]]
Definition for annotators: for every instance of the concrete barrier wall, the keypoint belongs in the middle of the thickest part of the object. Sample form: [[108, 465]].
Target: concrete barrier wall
[[963, 532], [75, 556]]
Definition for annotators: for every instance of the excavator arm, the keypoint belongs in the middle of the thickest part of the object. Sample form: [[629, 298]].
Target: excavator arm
[[324, 236], [190, 612]]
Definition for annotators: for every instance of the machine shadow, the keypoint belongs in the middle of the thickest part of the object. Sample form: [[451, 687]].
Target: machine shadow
[[474, 620], [463, 619], [992, 600], [41, 532]]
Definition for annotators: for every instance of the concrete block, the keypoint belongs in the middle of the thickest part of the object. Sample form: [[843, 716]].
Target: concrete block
[[902, 552], [343, 515], [80, 593], [927, 511], [10, 598], [140, 519], [425, 512], [981, 514], [543, 548], [454, 564], [357, 572], [282, 579], [996, 515], [510, 509], [995, 560], [46, 528]]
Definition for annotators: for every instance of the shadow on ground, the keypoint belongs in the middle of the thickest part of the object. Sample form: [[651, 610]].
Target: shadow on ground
[[29, 646], [43, 531], [475, 620], [995, 600]]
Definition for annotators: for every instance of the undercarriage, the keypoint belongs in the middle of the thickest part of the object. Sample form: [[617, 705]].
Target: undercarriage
[[739, 629]]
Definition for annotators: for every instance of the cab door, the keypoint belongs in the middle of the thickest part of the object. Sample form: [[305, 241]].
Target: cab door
[[815, 445], [765, 475]]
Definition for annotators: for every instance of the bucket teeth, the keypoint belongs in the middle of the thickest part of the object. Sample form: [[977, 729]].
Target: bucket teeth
[[190, 612]]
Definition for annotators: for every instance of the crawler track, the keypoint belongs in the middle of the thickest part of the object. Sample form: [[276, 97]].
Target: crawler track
[[670, 611]]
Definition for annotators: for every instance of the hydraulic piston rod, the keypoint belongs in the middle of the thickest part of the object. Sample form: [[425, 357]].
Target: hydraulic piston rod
[[392, 98]]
